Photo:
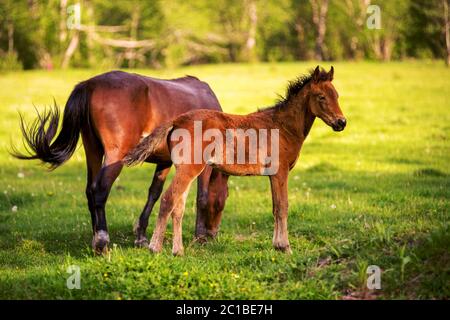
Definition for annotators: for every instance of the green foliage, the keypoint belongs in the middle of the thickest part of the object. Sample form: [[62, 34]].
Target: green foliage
[[16, 16], [425, 29], [375, 194], [9, 61], [203, 31]]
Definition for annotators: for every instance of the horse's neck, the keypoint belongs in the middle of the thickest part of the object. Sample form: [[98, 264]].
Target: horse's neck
[[296, 118]]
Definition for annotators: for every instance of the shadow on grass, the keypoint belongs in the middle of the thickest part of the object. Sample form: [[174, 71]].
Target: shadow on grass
[[387, 192]]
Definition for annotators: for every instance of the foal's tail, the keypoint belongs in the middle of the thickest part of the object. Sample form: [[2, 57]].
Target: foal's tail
[[148, 145], [38, 136]]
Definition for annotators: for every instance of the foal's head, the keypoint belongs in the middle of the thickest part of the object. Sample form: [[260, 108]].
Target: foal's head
[[323, 99]]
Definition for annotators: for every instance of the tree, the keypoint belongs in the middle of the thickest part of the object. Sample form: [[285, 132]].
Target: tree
[[446, 30], [319, 17], [354, 37], [250, 43], [136, 33], [303, 26], [427, 31]]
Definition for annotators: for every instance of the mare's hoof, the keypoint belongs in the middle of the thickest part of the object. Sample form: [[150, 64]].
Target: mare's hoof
[[201, 239], [212, 233], [100, 242], [141, 243]]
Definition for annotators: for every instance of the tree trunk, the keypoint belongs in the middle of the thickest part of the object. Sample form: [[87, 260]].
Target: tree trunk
[[131, 53], [357, 12], [302, 50], [89, 38], [320, 11], [62, 21], [376, 46], [10, 26], [447, 31], [71, 49], [386, 48], [251, 37]]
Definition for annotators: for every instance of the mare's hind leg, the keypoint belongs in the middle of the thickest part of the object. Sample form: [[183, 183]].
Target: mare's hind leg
[[102, 186], [94, 156], [184, 176], [159, 177]]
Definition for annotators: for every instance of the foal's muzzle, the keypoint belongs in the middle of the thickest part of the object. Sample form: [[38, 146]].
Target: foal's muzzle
[[339, 124]]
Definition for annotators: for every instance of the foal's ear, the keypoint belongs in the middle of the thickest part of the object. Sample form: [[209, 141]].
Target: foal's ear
[[331, 74], [316, 74]]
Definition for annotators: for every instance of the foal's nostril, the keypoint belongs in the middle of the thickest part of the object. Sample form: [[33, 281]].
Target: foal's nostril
[[342, 122], [339, 124]]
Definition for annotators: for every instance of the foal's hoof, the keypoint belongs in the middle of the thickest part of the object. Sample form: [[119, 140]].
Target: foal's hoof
[[154, 248], [283, 248], [178, 252], [141, 243], [100, 242]]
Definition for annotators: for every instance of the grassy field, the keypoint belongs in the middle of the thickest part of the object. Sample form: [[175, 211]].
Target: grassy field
[[376, 194]]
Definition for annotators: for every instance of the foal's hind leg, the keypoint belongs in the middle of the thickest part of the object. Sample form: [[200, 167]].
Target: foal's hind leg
[[278, 184], [159, 177], [177, 221], [184, 176]]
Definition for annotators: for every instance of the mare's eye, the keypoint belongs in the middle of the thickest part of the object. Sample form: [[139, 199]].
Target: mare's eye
[[322, 98]]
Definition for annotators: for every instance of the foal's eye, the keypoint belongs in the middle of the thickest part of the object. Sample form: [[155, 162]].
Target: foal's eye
[[322, 98]]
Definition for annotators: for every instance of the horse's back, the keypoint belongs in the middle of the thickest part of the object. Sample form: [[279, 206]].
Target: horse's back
[[182, 94], [126, 106], [165, 93]]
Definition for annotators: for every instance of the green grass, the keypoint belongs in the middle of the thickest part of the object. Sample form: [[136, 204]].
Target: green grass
[[375, 194]]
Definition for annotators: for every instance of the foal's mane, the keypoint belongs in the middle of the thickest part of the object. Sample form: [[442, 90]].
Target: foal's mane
[[295, 86]]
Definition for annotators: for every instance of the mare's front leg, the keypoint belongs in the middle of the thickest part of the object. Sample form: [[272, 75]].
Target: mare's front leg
[[202, 204], [211, 197], [279, 185], [217, 196], [172, 202]]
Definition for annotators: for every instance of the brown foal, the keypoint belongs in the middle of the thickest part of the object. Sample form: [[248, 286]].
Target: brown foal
[[291, 119]]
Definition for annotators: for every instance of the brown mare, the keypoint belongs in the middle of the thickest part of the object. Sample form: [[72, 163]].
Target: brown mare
[[113, 111], [307, 98]]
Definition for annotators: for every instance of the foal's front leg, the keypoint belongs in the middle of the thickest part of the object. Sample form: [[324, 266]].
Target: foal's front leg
[[279, 185], [172, 202]]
